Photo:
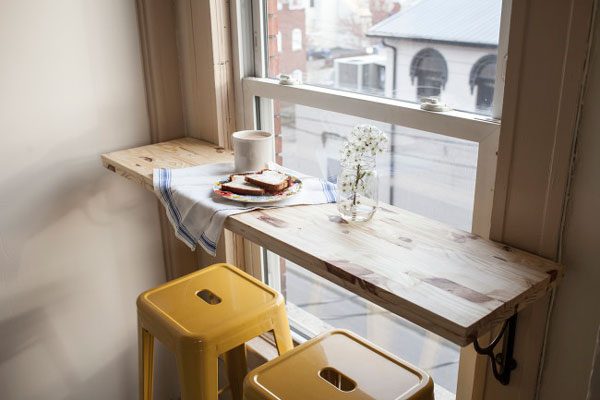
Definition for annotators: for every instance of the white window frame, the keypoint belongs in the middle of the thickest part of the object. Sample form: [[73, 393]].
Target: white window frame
[[255, 93]]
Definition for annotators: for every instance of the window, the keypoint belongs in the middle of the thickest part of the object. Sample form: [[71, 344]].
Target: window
[[482, 79], [279, 44], [362, 62], [374, 77], [429, 69], [296, 39], [347, 74], [365, 74]]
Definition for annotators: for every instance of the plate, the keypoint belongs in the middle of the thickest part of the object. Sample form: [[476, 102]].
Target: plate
[[267, 198]]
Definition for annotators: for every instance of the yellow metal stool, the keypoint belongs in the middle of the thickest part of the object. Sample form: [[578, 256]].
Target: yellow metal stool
[[338, 365], [204, 314]]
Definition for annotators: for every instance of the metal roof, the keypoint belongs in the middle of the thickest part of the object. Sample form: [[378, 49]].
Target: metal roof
[[474, 22]]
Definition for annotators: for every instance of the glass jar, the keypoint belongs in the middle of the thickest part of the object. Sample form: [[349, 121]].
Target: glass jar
[[358, 190]]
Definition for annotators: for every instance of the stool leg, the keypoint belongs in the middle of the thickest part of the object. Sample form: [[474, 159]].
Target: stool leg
[[198, 375], [237, 368], [283, 336], [146, 362]]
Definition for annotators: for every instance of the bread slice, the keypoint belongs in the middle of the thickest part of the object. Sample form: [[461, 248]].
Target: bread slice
[[239, 185], [271, 181]]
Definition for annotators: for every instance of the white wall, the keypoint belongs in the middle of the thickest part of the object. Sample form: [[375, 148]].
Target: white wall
[[77, 243], [576, 316]]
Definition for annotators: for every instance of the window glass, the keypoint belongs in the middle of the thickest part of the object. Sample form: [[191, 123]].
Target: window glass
[[426, 173], [404, 49]]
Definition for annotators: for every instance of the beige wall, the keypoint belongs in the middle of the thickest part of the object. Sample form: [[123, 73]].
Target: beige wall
[[77, 244], [576, 315]]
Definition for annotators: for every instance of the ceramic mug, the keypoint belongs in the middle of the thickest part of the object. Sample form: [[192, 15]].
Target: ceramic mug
[[252, 150]]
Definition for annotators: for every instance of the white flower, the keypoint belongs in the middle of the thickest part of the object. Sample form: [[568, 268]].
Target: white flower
[[364, 142]]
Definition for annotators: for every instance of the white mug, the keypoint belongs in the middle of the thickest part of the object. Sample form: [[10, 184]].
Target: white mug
[[252, 150]]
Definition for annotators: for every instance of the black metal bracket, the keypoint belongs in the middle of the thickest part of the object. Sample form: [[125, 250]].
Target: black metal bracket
[[502, 363]]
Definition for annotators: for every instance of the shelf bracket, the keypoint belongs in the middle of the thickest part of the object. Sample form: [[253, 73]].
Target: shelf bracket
[[502, 363]]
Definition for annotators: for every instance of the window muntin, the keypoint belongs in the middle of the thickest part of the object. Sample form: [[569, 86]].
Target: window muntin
[[342, 31]]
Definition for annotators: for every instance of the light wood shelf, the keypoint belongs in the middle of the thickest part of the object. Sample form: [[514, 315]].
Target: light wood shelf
[[450, 282]]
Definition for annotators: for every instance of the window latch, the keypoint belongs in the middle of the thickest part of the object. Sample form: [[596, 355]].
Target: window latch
[[434, 104]]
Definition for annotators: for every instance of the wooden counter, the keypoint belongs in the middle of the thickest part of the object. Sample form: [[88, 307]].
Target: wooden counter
[[448, 281]]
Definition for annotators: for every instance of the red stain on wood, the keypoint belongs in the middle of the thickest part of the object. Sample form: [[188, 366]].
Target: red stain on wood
[[458, 290], [553, 274], [276, 222], [353, 274]]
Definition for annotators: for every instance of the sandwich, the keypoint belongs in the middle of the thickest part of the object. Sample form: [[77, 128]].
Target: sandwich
[[238, 184], [269, 180]]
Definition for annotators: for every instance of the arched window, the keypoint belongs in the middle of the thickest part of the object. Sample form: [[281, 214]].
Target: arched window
[[296, 39], [483, 76], [430, 70]]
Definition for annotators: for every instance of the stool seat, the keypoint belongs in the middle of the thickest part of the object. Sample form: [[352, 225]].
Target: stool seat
[[337, 365], [208, 304], [205, 314]]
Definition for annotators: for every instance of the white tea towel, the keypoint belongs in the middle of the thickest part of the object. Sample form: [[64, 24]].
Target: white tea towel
[[198, 215]]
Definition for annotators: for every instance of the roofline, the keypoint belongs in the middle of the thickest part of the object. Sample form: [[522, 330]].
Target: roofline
[[449, 42]]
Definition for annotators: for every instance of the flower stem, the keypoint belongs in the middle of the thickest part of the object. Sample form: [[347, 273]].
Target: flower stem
[[356, 184]]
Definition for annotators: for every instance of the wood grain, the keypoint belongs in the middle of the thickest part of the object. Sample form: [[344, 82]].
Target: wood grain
[[453, 283], [137, 164]]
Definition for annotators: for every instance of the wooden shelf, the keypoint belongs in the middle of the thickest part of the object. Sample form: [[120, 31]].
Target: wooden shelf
[[448, 281]]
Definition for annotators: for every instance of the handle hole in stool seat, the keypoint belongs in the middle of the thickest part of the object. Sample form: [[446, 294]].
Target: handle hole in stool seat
[[209, 297], [337, 379]]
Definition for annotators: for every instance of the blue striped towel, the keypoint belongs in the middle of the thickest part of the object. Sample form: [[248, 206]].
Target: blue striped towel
[[198, 215]]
